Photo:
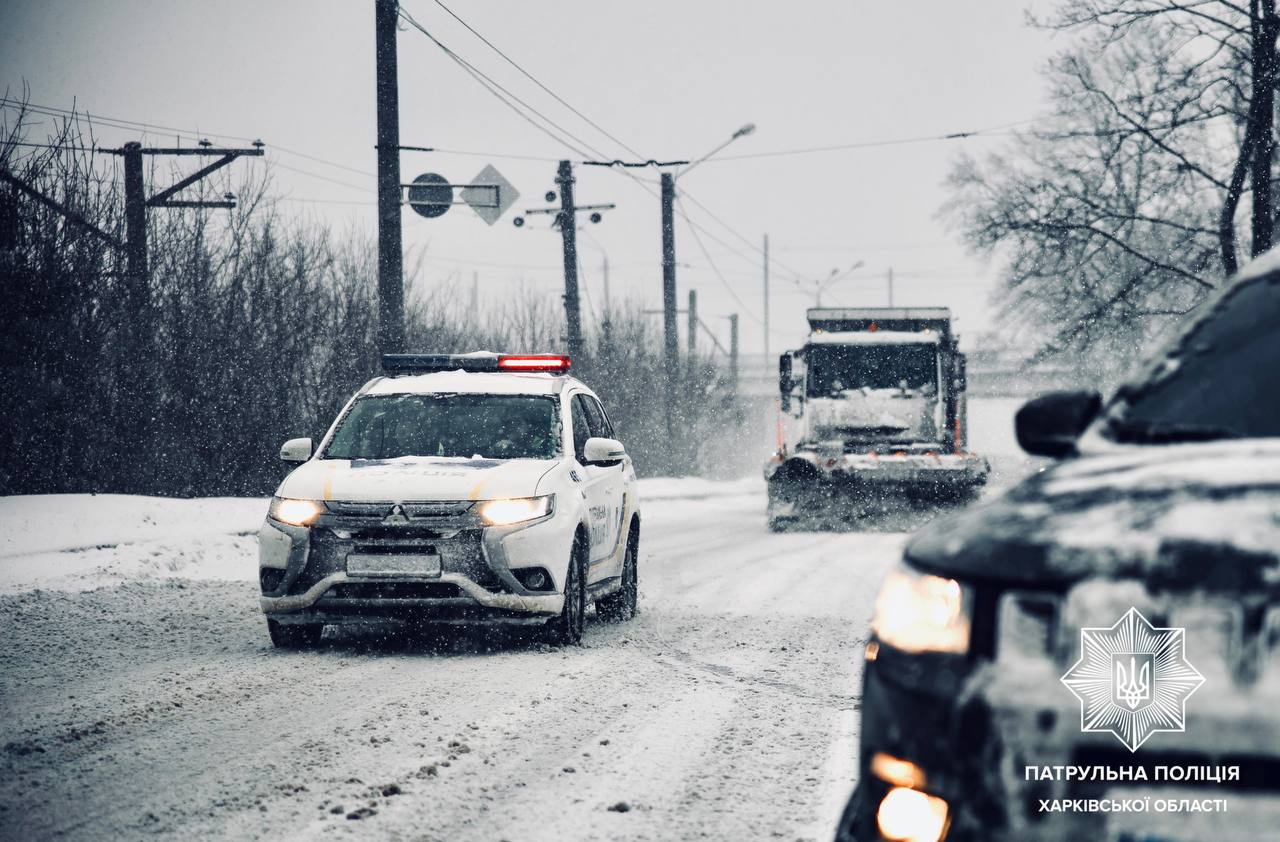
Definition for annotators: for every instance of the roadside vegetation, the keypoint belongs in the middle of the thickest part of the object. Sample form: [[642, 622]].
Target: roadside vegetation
[[1149, 181], [256, 326]]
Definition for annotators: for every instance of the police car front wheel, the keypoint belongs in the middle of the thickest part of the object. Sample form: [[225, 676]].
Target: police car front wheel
[[566, 628]]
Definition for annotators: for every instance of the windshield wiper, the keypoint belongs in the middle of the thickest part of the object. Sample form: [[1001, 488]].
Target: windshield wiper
[[1147, 432]]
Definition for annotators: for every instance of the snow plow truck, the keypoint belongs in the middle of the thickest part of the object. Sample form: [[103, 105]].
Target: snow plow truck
[[872, 418]]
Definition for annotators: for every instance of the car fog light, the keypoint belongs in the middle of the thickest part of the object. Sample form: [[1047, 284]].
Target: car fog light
[[895, 770], [908, 815], [536, 581]]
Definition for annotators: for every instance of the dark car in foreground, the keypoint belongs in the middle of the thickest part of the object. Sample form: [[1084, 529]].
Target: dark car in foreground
[[1096, 654]]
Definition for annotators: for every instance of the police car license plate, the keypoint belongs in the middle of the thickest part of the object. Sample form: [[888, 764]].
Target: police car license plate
[[394, 564]]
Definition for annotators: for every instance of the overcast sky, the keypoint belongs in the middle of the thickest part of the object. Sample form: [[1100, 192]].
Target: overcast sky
[[670, 79]]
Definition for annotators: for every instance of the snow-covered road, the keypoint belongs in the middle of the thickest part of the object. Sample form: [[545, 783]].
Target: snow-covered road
[[154, 704]]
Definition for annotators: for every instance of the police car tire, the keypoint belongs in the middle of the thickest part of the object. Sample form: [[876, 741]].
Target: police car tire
[[620, 606], [294, 636], [566, 628]]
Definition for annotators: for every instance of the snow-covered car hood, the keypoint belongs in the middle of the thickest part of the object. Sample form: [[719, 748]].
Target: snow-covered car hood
[[1190, 515], [415, 478]]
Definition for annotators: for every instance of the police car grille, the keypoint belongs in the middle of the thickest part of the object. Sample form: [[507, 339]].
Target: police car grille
[[412, 511]]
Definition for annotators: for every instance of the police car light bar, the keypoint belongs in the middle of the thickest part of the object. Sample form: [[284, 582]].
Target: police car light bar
[[534, 362], [429, 363]]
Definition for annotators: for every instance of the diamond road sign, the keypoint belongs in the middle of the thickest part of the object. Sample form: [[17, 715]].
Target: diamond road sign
[[489, 194]]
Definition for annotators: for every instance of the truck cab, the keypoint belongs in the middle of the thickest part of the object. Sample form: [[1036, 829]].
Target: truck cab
[[872, 408]]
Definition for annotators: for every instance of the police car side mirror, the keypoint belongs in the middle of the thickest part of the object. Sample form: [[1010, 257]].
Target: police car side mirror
[[1050, 424], [296, 450], [601, 451]]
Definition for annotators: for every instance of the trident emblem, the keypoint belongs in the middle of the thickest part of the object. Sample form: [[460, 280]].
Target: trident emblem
[[1133, 686]]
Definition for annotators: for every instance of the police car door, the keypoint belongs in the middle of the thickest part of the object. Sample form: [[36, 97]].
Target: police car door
[[615, 478], [595, 484]]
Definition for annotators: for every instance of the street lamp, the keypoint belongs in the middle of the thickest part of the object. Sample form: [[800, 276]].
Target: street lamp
[[742, 132], [836, 275]]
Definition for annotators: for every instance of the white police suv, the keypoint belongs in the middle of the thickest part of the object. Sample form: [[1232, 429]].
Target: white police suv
[[457, 489]]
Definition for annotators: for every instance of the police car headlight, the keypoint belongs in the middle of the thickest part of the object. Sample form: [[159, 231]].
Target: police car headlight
[[295, 512], [515, 510], [917, 612]]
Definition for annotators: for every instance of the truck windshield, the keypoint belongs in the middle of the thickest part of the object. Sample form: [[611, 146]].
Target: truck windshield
[[834, 369], [1215, 379], [489, 426]]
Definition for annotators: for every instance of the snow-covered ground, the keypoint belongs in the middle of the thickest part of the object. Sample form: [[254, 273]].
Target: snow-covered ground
[[141, 697]]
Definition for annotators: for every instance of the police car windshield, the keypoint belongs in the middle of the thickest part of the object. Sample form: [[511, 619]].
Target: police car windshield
[[834, 369], [487, 426], [1215, 379]]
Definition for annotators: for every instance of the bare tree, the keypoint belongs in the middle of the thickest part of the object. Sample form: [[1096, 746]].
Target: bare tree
[[1232, 46], [1118, 212]]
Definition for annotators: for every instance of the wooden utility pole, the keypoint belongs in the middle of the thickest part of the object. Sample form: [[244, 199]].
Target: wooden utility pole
[[569, 233], [670, 343], [390, 257]]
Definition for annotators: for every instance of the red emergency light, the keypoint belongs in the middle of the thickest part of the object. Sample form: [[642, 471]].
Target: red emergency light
[[395, 364], [534, 362]]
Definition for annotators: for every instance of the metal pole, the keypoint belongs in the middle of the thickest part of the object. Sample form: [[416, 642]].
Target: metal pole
[[606, 287], [766, 299], [890, 286], [390, 257], [693, 325], [569, 232], [671, 344], [475, 293], [733, 350], [606, 327]]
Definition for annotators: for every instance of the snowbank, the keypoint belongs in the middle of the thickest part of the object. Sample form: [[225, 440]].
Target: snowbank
[[78, 542], [654, 489]]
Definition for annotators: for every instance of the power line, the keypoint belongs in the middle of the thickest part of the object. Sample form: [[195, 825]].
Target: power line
[[535, 81], [993, 131], [733, 292], [185, 134], [494, 87], [726, 226]]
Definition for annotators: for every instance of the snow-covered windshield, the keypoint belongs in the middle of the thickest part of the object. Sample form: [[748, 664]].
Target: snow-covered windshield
[[461, 425], [834, 369], [1215, 380]]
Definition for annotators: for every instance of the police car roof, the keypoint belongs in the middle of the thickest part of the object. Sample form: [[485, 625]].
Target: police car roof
[[473, 382]]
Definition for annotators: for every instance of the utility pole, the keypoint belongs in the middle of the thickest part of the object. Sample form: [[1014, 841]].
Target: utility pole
[[475, 293], [606, 326], [569, 233], [766, 299], [693, 325], [135, 243], [390, 257], [733, 350], [671, 346], [605, 274], [890, 286]]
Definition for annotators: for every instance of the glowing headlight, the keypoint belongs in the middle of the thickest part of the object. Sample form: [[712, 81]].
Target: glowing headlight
[[295, 512], [515, 510], [911, 816], [916, 612]]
